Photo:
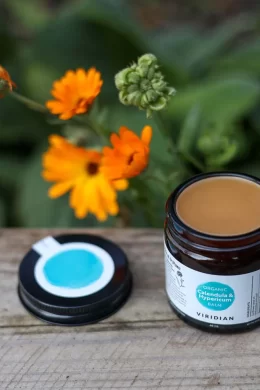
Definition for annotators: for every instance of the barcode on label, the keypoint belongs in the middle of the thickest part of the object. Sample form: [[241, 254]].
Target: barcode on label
[[253, 306]]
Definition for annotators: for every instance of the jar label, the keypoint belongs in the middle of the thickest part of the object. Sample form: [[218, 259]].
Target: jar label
[[214, 299]]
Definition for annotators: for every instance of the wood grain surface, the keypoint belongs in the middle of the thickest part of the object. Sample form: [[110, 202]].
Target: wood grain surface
[[143, 346]]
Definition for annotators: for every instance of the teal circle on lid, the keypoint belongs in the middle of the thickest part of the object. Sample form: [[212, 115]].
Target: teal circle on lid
[[74, 268], [74, 279]]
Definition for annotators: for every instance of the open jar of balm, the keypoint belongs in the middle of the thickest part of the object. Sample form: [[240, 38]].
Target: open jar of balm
[[212, 251]]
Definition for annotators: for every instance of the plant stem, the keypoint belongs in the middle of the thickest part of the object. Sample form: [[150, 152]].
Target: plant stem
[[161, 125], [99, 130], [173, 147], [194, 161], [94, 126], [29, 103], [79, 118]]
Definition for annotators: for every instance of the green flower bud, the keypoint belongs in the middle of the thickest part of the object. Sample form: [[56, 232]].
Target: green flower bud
[[121, 78], [151, 73], [143, 71], [144, 101], [134, 78], [149, 113], [132, 88], [134, 98], [159, 85], [133, 66], [171, 91], [152, 96], [221, 143], [147, 59], [143, 85], [209, 144], [123, 97], [159, 104]]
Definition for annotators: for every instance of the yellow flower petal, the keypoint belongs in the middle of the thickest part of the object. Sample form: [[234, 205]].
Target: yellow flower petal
[[78, 170], [59, 189], [121, 185]]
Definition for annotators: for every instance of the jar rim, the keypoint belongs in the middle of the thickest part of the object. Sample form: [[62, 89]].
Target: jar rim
[[172, 212]]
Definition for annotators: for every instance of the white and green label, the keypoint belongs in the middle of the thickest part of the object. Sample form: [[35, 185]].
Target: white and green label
[[215, 299]]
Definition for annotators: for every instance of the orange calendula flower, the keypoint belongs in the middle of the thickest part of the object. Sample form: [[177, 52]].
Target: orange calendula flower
[[75, 92], [129, 155], [78, 170], [6, 83]]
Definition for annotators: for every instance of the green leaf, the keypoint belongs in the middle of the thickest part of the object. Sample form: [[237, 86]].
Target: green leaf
[[214, 43], [18, 123], [172, 48], [147, 203], [10, 171], [84, 35], [188, 137], [225, 99], [246, 59], [34, 208], [176, 43], [32, 14], [190, 130], [250, 168], [255, 119], [8, 44], [111, 14]]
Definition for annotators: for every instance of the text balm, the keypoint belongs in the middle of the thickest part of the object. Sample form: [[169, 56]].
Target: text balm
[[212, 251]]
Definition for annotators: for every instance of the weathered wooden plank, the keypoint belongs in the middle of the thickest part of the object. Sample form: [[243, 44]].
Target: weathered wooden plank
[[144, 346], [145, 357]]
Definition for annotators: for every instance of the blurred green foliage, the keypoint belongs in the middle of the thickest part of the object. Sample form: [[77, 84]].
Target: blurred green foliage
[[214, 118]]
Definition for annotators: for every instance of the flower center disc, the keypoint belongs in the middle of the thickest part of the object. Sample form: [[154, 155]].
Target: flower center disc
[[92, 168]]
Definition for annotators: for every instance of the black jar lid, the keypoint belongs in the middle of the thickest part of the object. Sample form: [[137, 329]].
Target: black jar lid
[[74, 279]]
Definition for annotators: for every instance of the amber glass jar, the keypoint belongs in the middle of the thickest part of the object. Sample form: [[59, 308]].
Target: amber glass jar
[[212, 282]]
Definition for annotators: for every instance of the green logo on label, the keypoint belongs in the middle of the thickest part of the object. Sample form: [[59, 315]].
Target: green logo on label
[[215, 296]]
